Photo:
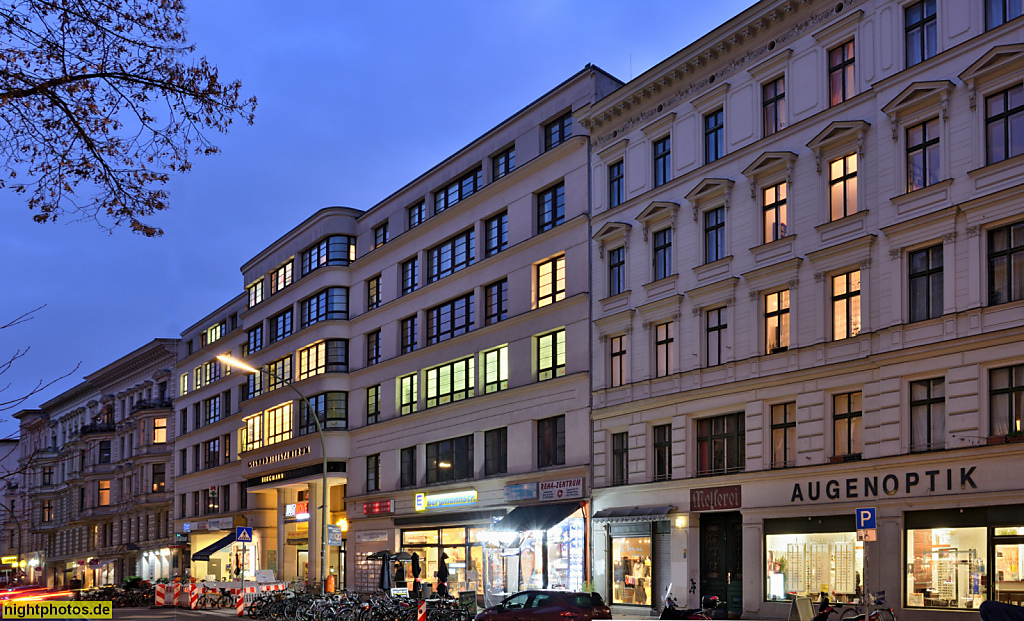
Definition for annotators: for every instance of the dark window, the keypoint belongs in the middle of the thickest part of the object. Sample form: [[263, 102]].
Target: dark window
[[410, 334], [333, 250], [776, 321], [496, 299], [662, 452], [417, 214], [331, 410], [923, 160], [372, 404], [1006, 264], [497, 234], [550, 208], [846, 305], [197, 457], [380, 235], [496, 451], [331, 303], [620, 458], [279, 373], [551, 442], [617, 360], [253, 385], [662, 161], [243, 495], [773, 102], [212, 453], [183, 459], [714, 234], [920, 31], [616, 188], [715, 335], [998, 12], [774, 216], [47, 510], [458, 190], [330, 356], [373, 293], [254, 341], [721, 444], [280, 326], [450, 319], [841, 82], [373, 348], [550, 355], [664, 353], [848, 419], [503, 163], [450, 460], [409, 467], [558, 131], [550, 281], [928, 414], [450, 256], [926, 283], [280, 278], [1004, 124], [373, 473], [450, 382], [410, 275], [842, 185], [662, 254], [211, 410], [104, 452], [616, 271], [784, 435], [159, 477], [714, 136], [1006, 400]]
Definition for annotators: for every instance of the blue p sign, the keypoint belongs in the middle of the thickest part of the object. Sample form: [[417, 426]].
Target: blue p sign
[[866, 518]]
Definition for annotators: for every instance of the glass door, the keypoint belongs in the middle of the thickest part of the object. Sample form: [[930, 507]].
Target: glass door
[[1009, 577]]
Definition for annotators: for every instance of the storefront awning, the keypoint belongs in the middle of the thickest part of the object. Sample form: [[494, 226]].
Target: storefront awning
[[96, 564], [537, 517], [204, 554], [633, 514]]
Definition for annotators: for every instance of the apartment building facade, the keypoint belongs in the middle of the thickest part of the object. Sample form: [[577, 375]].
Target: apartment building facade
[[807, 301], [91, 499]]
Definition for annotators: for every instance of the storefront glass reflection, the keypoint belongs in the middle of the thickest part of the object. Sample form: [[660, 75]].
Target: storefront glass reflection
[[807, 564], [631, 570], [465, 558], [946, 567]]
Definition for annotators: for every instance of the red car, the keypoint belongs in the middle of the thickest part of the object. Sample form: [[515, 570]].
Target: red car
[[537, 605]]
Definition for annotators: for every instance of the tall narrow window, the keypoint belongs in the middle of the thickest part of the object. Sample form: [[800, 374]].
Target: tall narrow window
[[1004, 124], [254, 341], [279, 423], [998, 12], [380, 235], [417, 214], [662, 452], [409, 467], [841, 82], [373, 473], [496, 451], [774, 212], [714, 234], [279, 373], [846, 305], [503, 163], [662, 253], [664, 348], [496, 295], [551, 355], [408, 394], [496, 369], [159, 430], [721, 444], [159, 477], [842, 186], [920, 31], [617, 359], [776, 321], [280, 326], [373, 299], [497, 234], [620, 458], [551, 442], [773, 103], [926, 283], [616, 271], [373, 348], [923, 159], [784, 435], [848, 424], [1006, 400], [928, 414], [255, 292], [662, 161], [372, 404], [616, 187], [714, 136], [550, 208], [410, 334], [281, 278], [551, 281], [1006, 264], [410, 275], [715, 333], [558, 131]]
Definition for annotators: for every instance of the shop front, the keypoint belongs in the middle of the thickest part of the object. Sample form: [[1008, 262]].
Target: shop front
[[637, 541], [217, 556]]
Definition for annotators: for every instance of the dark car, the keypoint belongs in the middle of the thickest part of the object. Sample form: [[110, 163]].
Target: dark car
[[538, 605]]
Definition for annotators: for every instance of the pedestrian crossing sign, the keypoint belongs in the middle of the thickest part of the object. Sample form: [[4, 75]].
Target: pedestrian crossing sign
[[243, 534]]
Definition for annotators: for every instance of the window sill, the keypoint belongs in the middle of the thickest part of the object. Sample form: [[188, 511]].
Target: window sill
[[779, 248], [615, 303], [848, 226], [661, 286], [715, 269], [995, 176], [843, 459]]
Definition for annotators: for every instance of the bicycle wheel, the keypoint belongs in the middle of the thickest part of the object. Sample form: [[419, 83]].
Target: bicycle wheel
[[885, 615], [848, 613]]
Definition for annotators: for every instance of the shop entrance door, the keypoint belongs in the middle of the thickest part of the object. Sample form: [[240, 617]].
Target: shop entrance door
[[1009, 576], [721, 560]]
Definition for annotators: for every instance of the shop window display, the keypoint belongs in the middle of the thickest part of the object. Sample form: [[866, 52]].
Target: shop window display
[[631, 570], [946, 567], [465, 557], [807, 564]]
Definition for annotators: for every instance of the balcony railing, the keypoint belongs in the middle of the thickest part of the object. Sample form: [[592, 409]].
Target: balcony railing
[[152, 404], [96, 428]]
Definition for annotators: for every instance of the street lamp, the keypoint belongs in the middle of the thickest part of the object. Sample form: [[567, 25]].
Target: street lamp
[[238, 364]]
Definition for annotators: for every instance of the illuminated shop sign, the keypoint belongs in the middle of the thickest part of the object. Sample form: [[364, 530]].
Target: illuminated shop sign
[[522, 491], [378, 507], [441, 501], [299, 511], [562, 489], [282, 456]]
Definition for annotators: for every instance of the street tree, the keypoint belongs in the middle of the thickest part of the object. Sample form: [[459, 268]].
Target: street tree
[[101, 101]]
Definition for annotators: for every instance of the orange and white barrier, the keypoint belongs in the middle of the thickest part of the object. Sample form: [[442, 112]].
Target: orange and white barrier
[[280, 586], [240, 595], [159, 595], [421, 611]]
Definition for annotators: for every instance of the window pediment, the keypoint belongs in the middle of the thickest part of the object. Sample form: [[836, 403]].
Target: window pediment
[[612, 233], [856, 251], [837, 134], [999, 60], [714, 96], [784, 272], [770, 163], [773, 65], [659, 310], [714, 294], [656, 212], [709, 190], [615, 324], [656, 128], [842, 29], [917, 96], [614, 152]]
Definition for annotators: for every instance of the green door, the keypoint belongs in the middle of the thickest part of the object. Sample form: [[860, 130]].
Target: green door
[[721, 561]]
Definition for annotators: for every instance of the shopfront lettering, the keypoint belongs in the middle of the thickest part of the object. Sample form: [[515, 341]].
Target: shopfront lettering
[[716, 498], [889, 484], [282, 456]]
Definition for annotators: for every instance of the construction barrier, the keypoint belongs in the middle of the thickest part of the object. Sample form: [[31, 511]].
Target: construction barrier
[[280, 586], [158, 596], [240, 598], [421, 611]]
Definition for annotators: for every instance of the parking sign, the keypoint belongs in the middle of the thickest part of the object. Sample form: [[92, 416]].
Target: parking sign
[[866, 518]]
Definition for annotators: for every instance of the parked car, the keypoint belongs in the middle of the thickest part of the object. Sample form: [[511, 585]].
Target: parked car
[[544, 605]]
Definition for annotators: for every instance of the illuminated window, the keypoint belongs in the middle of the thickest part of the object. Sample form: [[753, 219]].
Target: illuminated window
[[159, 478], [551, 355], [255, 292], [380, 235], [279, 423], [1006, 400], [279, 373], [846, 305], [183, 385], [408, 394], [774, 212], [373, 299], [213, 333], [330, 356], [496, 369], [776, 321], [842, 184], [281, 278], [450, 382], [103, 493], [551, 281], [252, 433]]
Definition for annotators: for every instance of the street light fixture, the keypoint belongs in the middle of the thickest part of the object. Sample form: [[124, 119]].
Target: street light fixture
[[238, 364]]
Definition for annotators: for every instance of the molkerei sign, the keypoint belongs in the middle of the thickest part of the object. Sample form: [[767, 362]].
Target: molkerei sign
[[716, 498]]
